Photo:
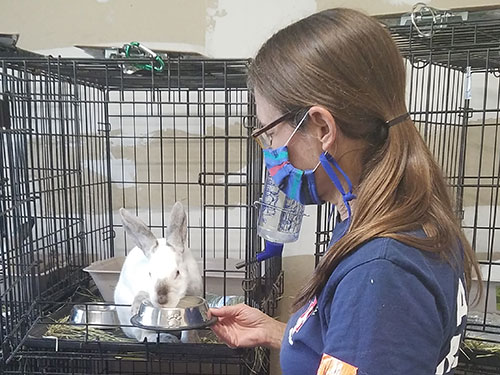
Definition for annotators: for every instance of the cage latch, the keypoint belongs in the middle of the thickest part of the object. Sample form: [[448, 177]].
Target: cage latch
[[426, 20], [4, 112]]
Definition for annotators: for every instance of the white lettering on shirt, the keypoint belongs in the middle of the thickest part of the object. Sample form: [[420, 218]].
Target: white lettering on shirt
[[302, 319], [451, 360]]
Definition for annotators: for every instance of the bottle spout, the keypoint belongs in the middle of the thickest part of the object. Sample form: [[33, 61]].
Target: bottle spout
[[271, 249], [242, 264]]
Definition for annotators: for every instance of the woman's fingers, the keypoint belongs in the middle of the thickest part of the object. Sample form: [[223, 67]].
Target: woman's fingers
[[239, 325], [223, 332], [226, 311]]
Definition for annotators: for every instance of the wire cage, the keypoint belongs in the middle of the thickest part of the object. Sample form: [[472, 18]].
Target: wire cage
[[81, 138], [453, 95], [452, 63]]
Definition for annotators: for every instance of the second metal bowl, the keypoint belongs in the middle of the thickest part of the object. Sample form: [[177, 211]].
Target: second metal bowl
[[190, 313], [97, 315]]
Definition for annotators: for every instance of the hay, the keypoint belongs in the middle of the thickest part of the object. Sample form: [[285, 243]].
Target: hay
[[88, 294], [259, 361], [63, 329], [492, 349], [209, 337]]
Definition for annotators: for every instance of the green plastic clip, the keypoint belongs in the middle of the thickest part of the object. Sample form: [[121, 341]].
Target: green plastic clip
[[158, 65]]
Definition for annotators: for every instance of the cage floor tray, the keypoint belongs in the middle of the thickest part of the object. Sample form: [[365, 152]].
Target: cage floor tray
[[40, 337]]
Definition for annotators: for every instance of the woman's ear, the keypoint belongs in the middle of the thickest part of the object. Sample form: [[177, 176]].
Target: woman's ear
[[322, 124]]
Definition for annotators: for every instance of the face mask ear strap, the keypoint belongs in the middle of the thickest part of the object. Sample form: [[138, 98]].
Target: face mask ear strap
[[327, 161], [316, 167]]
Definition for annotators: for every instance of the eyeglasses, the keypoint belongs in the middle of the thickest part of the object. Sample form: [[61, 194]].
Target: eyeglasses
[[261, 135]]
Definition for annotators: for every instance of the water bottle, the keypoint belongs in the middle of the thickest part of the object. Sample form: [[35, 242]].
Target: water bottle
[[280, 217], [279, 221]]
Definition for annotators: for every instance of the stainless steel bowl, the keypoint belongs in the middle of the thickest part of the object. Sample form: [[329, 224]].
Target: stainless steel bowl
[[97, 315], [191, 313]]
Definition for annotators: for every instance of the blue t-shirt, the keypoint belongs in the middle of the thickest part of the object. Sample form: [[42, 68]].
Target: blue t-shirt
[[387, 308]]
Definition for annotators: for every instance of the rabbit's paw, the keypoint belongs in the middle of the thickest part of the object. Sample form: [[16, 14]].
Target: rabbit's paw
[[172, 339], [141, 296], [163, 337]]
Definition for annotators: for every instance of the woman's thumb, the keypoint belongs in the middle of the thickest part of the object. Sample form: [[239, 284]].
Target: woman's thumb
[[221, 311], [227, 310]]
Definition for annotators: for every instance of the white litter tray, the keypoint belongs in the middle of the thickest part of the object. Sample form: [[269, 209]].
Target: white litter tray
[[106, 273]]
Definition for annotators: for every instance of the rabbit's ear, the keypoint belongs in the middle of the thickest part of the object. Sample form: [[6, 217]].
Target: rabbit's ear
[[141, 234], [177, 228]]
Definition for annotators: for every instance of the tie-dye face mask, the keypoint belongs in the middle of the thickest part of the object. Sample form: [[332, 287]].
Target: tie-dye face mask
[[297, 184]]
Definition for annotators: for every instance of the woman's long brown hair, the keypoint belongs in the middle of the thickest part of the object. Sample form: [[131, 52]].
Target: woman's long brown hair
[[348, 63]]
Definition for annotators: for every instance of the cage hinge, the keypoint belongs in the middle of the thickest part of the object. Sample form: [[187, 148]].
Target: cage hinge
[[106, 127], [112, 234], [81, 235], [466, 112]]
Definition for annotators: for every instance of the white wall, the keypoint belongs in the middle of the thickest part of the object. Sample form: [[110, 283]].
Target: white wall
[[221, 28], [237, 28]]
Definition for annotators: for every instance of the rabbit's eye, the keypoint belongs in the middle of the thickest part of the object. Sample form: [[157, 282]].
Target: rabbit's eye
[[177, 274]]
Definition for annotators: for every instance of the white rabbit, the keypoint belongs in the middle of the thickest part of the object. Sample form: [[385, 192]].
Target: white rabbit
[[159, 270]]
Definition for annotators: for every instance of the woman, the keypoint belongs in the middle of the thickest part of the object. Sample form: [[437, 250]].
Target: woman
[[389, 295]]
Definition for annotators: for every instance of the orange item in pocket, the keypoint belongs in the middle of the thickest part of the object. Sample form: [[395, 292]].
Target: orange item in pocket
[[332, 366]]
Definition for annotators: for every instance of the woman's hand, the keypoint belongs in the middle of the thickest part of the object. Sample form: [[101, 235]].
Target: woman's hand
[[245, 326]]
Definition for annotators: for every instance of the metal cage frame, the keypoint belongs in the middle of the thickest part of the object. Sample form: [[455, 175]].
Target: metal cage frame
[[63, 122]]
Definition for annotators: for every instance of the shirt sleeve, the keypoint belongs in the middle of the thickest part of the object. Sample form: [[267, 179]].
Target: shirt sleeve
[[384, 320]]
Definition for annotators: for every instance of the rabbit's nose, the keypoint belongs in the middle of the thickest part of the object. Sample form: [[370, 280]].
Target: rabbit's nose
[[162, 299], [162, 292]]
